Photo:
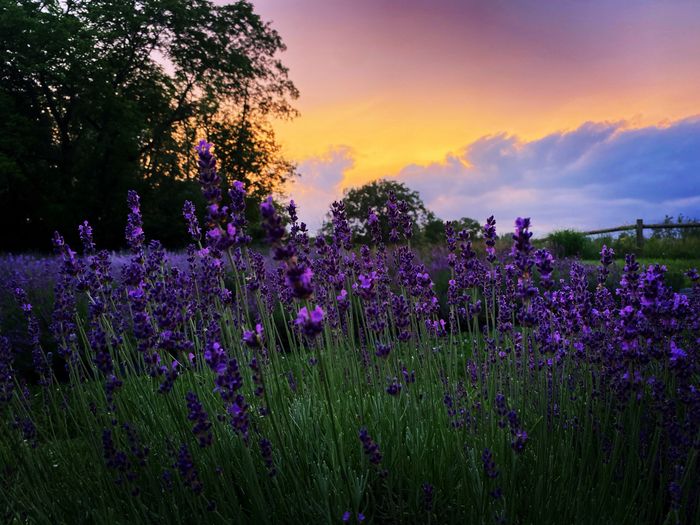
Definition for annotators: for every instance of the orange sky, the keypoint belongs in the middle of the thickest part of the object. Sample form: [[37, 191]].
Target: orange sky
[[403, 82]]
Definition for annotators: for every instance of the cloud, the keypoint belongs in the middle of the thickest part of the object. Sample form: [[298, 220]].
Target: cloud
[[600, 174], [597, 175], [320, 184]]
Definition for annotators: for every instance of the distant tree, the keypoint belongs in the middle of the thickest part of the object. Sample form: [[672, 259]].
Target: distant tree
[[99, 96], [374, 196], [434, 230]]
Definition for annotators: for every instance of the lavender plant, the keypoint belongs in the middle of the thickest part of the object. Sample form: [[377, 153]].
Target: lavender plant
[[233, 387]]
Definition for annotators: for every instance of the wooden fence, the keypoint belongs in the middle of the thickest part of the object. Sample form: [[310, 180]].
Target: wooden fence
[[639, 227]]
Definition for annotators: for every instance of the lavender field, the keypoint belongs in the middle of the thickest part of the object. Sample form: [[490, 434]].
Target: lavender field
[[325, 382]]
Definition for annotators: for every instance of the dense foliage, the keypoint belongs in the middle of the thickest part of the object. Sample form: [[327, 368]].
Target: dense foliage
[[322, 385], [100, 96]]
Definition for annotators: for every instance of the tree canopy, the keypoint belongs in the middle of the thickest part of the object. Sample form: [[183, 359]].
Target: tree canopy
[[101, 96], [373, 196]]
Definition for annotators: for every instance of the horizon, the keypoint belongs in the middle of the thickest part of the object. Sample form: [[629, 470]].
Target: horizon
[[578, 115]]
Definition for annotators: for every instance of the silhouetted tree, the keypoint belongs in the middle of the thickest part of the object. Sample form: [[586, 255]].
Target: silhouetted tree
[[99, 96]]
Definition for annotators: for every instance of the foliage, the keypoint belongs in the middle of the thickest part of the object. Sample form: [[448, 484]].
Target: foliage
[[100, 96], [567, 243]]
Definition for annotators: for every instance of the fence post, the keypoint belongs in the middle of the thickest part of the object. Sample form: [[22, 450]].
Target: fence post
[[640, 233]]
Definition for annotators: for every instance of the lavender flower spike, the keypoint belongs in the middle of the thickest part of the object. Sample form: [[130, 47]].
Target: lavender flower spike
[[311, 323]]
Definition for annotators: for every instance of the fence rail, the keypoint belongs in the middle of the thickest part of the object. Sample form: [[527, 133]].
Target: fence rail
[[640, 226]]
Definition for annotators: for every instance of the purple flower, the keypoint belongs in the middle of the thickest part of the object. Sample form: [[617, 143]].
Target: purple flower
[[489, 464], [606, 259], [190, 215], [27, 427], [238, 194], [271, 221], [341, 230], [135, 236], [139, 451], [394, 388], [188, 471], [215, 357], [521, 237], [238, 410], [436, 327], [399, 218], [228, 380], [374, 228], [224, 225], [677, 354], [254, 339], [342, 299], [266, 453], [170, 374], [365, 287], [489, 232], [40, 360], [408, 378], [519, 441], [208, 177], [311, 323], [501, 408], [298, 279], [545, 265], [370, 447], [383, 350], [202, 425], [292, 211], [85, 232], [167, 479]]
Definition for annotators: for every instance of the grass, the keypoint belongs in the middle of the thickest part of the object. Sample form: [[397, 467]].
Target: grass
[[563, 476]]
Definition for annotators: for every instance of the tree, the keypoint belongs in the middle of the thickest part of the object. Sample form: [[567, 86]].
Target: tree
[[434, 231], [100, 96], [373, 196]]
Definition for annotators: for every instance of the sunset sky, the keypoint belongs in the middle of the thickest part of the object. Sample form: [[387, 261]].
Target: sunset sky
[[579, 114]]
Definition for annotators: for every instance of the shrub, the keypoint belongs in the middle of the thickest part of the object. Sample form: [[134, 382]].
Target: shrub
[[567, 243]]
